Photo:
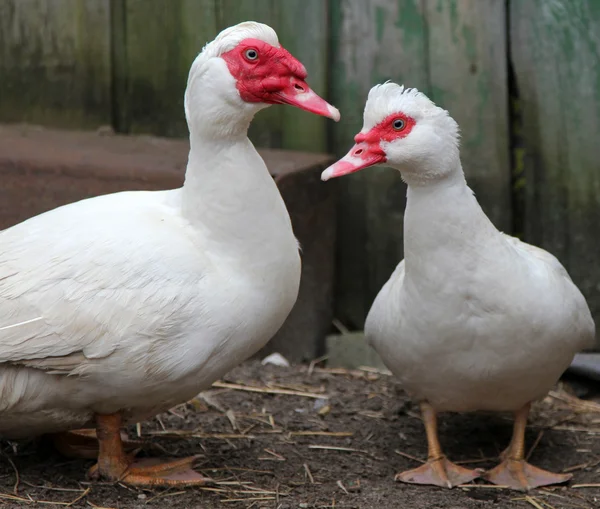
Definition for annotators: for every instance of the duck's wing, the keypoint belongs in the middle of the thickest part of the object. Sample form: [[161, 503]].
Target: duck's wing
[[82, 281], [384, 313], [549, 260], [548, 267]]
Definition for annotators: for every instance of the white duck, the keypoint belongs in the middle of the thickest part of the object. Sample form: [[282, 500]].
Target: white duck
[[115, 308], [472, 319]]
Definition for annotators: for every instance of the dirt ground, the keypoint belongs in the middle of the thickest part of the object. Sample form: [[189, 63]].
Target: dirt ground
[[335, 440]]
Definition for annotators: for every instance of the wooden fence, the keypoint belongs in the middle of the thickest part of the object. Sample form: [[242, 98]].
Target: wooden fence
[[522, 78]]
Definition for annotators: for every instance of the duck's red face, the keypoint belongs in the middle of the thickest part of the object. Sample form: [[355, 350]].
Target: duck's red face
[[266, 74], [370, 146]]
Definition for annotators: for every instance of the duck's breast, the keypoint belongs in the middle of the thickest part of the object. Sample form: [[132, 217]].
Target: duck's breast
[[124, 310], [491, 338]]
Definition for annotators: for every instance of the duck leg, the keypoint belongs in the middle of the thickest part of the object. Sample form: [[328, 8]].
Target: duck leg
[[514, 471], [83, 443], [438, 470], [115, 465]]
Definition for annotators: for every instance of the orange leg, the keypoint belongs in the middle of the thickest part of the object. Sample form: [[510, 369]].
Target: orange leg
[[83, 443], [438, 470], [514, 471], [115, 465]]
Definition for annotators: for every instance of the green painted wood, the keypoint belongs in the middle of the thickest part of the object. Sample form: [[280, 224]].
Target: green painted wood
[[555, 49], [373, 41], [303, 30], [468, 77], [156, 43], [55, 65]]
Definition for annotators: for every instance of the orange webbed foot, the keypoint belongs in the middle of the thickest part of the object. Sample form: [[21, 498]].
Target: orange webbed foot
[[439, 472], [520, 475], [154, 472]]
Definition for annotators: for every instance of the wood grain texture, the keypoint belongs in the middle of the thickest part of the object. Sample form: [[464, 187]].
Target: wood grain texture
[[555, 49], [373, 41], [303, 30], [155, 43], [468, 77], [55, 62]]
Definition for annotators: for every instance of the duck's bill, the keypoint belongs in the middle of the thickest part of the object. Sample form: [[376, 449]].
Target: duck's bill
[[357, 159], [302, 96]]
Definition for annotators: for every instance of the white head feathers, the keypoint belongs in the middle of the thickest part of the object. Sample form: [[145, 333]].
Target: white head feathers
[[232, 36], [229, 38], [390, 98], [430, 150]]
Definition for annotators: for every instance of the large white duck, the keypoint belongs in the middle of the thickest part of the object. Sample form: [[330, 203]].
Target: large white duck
[[471, 319], [115, 308]]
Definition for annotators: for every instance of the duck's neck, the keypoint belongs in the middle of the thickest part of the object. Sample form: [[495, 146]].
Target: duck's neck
[[230, 197], [443, 222]]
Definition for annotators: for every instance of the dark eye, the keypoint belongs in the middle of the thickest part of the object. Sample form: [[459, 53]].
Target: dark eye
[[251, 54], [398, 124]]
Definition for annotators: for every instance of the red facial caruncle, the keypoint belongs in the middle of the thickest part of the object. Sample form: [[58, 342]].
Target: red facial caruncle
[[368, 150], [271, 75]]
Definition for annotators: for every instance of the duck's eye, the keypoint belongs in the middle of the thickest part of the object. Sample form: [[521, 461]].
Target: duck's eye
[[251, 54], [398, 124]]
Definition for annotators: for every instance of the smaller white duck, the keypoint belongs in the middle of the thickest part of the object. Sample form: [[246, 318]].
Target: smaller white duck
[[471, 319]]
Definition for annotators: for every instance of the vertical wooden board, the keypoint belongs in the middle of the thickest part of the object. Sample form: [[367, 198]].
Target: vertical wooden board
[[55, 62], [266, 129], [374, 41], [468, 73], [555, 48], [303, 31], [161, 40], [536, 80]]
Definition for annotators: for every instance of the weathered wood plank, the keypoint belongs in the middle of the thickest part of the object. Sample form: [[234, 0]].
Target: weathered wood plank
[[373, 41], [468, 77], [158, 42], [55, 65], [303, 30], [555, 47]]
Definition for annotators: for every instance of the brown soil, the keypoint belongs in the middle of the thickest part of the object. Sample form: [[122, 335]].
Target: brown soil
[[264, 449]]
